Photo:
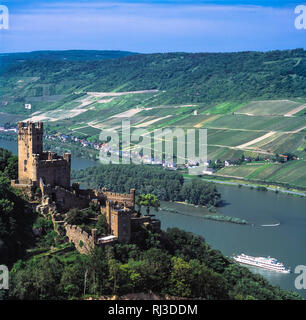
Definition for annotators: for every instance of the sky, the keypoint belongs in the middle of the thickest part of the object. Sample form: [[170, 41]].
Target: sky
[[152, 26]]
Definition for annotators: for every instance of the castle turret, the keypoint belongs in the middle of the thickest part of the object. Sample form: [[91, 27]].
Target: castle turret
[[30, 142]]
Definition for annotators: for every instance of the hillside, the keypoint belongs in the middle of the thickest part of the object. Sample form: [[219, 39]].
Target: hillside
[[186, 78], [68, 55], [252, 103]]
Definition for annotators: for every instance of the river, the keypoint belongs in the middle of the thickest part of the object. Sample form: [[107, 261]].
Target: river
[[76, 164], [277, 229]]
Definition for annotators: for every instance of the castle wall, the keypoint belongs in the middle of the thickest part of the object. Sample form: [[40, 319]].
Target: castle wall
[[54, 172], [66, 199], [83, 242]]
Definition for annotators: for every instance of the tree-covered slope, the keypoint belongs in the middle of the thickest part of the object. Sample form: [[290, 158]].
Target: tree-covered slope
[[67, 55], [185, 77]]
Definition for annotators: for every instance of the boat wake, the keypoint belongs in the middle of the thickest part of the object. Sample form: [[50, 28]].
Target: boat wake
[[270, 225]]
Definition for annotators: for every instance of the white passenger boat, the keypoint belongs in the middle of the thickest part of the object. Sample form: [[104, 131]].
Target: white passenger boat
[[262, 262]]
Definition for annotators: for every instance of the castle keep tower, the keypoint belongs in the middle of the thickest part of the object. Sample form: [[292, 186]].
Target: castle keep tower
[[119, 222], [30, 143], [34, 165]]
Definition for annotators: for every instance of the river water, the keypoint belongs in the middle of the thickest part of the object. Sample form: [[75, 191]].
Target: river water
[[277, 225], [76, 164]]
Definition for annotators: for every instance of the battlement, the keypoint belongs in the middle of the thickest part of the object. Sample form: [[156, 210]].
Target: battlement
[[120, 198], [30, 127]]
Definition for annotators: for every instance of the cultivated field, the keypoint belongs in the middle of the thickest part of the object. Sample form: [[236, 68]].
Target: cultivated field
[[252, 128], [269, 107], [291, 173], [266, 123]]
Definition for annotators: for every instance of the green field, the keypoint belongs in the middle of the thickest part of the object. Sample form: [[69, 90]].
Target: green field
[[267, 123], [223, 108], [239, 171], [284, 143], [230, 138], [292, 173], [272, 107], [224, 153]]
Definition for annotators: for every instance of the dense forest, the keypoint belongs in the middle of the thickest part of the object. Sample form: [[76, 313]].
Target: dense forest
[[67, 55], [165, 184], [182, 77], [16, 217], [173, 262]]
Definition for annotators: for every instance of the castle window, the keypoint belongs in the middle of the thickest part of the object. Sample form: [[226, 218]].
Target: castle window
[[25, 162]]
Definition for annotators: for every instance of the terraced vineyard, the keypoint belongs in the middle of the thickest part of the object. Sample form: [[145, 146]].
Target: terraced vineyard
[[266, 108], [176, 90], [292, 173], [229, 135]]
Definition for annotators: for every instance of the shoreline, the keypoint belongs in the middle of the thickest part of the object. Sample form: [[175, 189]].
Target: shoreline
[[224, 180], [217, 216], [247, 184]]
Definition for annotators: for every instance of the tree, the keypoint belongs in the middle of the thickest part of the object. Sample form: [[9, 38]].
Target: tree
[[201, 193], [114, 271], [102, 226], [149, 201], [78, 217], [180, 278]]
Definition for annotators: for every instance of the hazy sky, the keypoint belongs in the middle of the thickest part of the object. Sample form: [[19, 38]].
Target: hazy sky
[[151, 26]]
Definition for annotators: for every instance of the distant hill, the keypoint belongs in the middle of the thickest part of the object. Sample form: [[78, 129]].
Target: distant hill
[[185, 77], [66, 55]]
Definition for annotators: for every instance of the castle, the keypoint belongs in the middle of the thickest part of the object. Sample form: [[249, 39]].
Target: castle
[[50, 173]]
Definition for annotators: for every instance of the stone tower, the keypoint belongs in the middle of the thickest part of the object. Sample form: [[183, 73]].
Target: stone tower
[[34, 165], [30, 146], [119, 222]]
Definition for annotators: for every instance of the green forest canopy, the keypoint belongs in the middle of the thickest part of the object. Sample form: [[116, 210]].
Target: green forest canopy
[[166, 185], [185, 77]]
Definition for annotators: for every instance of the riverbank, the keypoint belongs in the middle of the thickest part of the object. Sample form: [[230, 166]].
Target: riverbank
[[92, 155], [252, 185], [204, 213]]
